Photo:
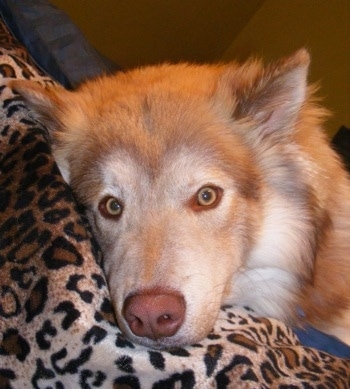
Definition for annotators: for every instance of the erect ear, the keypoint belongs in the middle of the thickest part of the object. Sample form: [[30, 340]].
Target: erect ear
[[270, 96]]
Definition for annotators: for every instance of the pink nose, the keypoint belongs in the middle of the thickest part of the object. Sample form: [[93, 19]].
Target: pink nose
[[154, 314]]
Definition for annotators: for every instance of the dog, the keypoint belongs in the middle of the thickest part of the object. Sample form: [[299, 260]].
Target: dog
[[207, 185]]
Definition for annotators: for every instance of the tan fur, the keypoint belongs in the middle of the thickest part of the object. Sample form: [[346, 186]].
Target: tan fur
[[278, 236]]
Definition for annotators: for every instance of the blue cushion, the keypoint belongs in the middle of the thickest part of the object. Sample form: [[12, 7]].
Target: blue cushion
[[310, 337], [53, 41]]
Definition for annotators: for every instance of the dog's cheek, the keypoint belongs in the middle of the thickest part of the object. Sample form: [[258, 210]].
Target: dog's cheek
[[204, 273], [107, 235]]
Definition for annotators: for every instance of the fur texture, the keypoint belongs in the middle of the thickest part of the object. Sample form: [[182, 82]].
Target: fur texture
[[211, 185]]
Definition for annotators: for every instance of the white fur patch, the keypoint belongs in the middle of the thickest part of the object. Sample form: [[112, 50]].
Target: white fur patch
[[268, 291], [268, 280]]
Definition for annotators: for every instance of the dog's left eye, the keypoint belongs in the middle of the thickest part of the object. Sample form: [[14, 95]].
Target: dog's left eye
[[208, 196], [110, 207]]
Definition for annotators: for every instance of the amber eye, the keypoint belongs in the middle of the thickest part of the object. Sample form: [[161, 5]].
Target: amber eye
[[208, 196], [110, 207]]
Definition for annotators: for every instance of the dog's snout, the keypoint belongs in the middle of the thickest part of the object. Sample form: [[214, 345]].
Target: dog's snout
[[154, 314]]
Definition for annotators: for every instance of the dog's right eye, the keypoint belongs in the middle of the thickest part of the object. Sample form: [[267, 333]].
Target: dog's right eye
[[110, 207]]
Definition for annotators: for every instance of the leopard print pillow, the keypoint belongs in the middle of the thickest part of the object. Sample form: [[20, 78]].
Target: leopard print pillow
[[57, 328]]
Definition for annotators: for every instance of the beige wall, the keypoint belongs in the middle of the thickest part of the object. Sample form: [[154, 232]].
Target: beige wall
[[323, 26]]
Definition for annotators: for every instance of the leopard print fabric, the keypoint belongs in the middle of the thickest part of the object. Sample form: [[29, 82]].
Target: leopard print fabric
[[57, 328]]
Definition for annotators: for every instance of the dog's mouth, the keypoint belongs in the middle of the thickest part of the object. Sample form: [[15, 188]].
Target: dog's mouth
[[179, 340]]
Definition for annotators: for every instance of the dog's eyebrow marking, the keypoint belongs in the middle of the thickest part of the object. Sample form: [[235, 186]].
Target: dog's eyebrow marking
[[148, 123]]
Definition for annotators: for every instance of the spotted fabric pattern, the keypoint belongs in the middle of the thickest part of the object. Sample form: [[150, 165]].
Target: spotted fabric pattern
[[57, 327]]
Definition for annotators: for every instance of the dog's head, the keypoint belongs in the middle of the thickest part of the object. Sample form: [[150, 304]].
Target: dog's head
[[166, 161]]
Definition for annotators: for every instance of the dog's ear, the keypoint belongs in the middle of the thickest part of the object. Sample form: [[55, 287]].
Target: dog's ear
[[271, 96], [50, 107], [45, 102]]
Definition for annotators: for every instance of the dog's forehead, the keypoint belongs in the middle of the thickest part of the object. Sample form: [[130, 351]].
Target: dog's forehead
[[153, 132], [183, 166], [167, 99], [155, 124]]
